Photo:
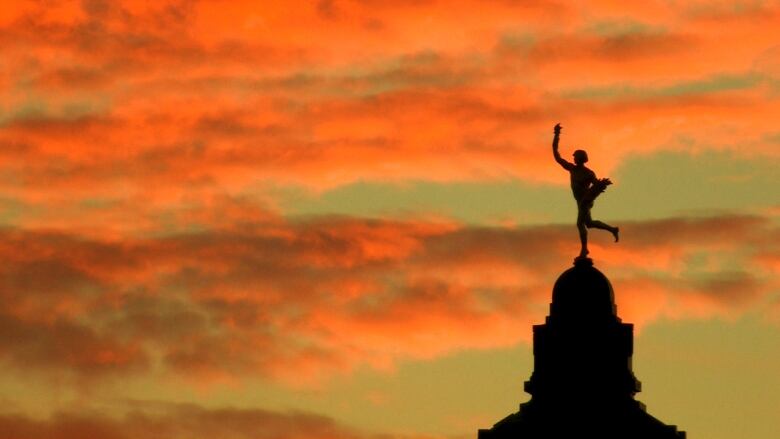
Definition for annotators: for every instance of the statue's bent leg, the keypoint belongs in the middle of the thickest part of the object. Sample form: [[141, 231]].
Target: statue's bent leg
[[604, 226]]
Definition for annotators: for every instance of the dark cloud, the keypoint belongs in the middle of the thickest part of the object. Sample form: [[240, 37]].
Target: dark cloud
[[65, 348], [151, 420], [306, 300], [732, 288]]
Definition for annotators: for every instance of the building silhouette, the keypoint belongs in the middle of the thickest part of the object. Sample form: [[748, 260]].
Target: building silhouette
[[583, 384]]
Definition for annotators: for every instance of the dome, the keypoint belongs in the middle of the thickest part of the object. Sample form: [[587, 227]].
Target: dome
[[583, 384], [582, 293]]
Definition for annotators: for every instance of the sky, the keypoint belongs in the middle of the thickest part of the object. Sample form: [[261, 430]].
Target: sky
[[340, 218]]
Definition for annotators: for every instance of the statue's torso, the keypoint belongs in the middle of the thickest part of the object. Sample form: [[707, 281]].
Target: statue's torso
[[581, 179]]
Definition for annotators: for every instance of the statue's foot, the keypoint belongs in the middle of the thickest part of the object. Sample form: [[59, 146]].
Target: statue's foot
[[583, 254], [616, 233]]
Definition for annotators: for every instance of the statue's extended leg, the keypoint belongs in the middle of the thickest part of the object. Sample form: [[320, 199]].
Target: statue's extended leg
[[604, 226]]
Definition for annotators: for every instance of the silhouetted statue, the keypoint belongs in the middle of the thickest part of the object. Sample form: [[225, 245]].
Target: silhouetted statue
[[586, 187]]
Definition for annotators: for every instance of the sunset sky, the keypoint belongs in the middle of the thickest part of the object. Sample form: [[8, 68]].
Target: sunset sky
[[339, 219]]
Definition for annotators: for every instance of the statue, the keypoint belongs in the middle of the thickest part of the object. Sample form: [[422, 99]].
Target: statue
[[585, 187]]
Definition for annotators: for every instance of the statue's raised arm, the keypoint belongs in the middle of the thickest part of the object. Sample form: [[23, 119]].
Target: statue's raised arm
[[566, 165]]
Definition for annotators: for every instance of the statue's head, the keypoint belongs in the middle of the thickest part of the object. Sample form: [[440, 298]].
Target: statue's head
[[580, 157]]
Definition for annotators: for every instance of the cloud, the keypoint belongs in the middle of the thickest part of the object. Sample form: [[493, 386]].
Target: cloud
[[165, 420], [141, 170], [298, 302], [151, 107]]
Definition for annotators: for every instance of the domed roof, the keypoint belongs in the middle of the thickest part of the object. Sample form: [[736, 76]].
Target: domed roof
[[582, 293]]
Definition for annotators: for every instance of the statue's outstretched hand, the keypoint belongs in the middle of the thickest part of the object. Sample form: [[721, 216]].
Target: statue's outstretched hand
[[606, 181], [557, 129]]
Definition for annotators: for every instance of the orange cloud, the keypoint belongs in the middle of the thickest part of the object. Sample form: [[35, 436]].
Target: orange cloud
[[299, 302], [124, 105]]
